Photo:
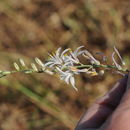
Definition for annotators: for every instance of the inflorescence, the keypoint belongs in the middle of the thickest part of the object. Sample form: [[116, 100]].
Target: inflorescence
[[67, 64]]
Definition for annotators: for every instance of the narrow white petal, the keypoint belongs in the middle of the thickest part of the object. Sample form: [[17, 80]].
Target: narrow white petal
[[73, 60], [116, 64], [67, 79], [58, 52], [74, 57], [65, 65], [60, 70], [51, 65], [117, 52], [48, 63], [80, 52], [82, 70], [88, 54], [76, 51], [66, 50], [51, 56], [72, 81]]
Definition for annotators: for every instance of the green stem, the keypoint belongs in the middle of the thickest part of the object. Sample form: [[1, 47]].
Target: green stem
[[101, 66], [82, 66], [27, 71]]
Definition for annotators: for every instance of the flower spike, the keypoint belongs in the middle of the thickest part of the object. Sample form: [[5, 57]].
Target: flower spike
[[67, 64]]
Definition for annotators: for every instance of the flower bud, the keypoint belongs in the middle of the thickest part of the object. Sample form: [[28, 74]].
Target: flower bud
[[101, 72]]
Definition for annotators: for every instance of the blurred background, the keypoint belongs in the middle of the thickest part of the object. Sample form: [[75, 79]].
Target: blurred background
[[33, 28]]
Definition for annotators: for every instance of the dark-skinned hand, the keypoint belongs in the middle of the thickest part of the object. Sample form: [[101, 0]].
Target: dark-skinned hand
[[110, 112]]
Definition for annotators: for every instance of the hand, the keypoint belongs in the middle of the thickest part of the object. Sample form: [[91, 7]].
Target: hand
[[110, 112]]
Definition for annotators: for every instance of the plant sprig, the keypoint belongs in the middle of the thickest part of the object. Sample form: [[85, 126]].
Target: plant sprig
[[67, 64]]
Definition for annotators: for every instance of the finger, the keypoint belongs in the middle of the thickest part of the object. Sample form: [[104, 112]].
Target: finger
[[94, 117], [113, 97], [125, 101], [122, 114], [98, 113]]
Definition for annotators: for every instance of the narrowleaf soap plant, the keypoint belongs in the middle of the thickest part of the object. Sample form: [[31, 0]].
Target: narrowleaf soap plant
[[67, 64]]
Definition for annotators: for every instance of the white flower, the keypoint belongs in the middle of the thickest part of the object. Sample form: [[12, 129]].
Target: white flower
[[117, 52], [58, 59], [90, 57], [63, 59], [55, 59], [120, 67], [74, 55], [68, 77], [114, 61]]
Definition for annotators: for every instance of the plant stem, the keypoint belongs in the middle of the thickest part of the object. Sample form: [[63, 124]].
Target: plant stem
[[81, 66], [101, 66]]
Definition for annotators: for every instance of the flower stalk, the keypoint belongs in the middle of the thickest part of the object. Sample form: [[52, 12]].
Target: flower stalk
[[67, 64]]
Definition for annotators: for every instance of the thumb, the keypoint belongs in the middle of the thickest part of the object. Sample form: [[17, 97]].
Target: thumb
[[124, 105], [125, 102], [119, 119]]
